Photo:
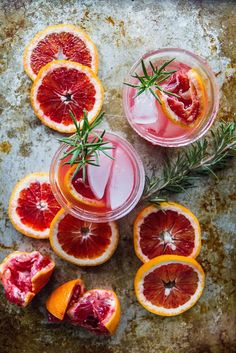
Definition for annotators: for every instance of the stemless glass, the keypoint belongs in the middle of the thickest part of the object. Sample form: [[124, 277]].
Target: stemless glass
[[175, 136], [94, 214]]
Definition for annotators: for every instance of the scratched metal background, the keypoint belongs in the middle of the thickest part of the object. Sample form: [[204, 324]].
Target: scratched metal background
[[122, 30]]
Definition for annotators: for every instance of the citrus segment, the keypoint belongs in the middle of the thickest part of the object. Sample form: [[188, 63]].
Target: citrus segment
[[169, 284], [62, 41], [24, 274], [190, 107], [98, 311], [166, 229], [32, 206], [80, 190], [63, 297], [83, 243], [62, 87]]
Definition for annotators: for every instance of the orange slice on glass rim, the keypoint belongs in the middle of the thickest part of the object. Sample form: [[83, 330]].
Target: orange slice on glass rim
[[83, 243], [98, 311], [63, 297], [168, 228], [189, 109], [168, 285], [62, 87], [24, 274], [33, 206], [80, 190], [62, 41]]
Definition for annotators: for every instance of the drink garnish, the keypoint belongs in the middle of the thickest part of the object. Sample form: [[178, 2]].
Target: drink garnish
[[201, 158], [82, 149], [151, 82]]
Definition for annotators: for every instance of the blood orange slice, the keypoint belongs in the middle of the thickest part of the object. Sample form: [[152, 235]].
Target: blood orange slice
[[83, 243], [168, 285], [190, 107], [64, 297], [32, 206], [80, 190], [63, 86], [98, 311], [24, 274], [62, 41], [167, 229]]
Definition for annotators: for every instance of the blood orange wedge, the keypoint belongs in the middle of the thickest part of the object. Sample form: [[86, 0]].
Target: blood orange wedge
[[24, 274], [190, 107], [63, 297], [62, 41], [63, 86], [32, 206], [168, 285], [167, 229], [80, 190], [83, 243], [98, 311]]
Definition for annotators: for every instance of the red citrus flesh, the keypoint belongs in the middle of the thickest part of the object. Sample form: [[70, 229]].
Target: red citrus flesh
[[37, 206], [187, 108], [166, 232], [92, 311], [82, 187], [63, 90], [82, 239], [63, 45], [170, 285], [24, 274]]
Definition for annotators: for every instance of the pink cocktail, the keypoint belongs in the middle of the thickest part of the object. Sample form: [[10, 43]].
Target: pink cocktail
[[109, 191], [185, 105]]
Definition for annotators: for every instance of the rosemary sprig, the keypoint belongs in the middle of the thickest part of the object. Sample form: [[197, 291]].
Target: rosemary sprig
[[152, 82], [82, 149], [202, 158]]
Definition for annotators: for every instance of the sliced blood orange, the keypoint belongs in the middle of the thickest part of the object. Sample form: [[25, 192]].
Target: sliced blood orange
[[64, 297], [32, 206], [63, 86], [80, 190], [24, 274], [83, 243], [62, 41], [168, 285], [166, 229], [190, 107], [98, 311]]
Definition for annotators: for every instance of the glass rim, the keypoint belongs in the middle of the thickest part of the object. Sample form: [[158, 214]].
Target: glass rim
[[99, 217], [174, 142]]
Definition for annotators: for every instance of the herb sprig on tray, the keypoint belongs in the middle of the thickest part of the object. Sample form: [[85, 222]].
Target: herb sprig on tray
[[151, 82], [82, 150], [204, 157]]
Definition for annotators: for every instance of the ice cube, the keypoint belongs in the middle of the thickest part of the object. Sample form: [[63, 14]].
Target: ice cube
[[122, 179], [98, 176], [144, 110]]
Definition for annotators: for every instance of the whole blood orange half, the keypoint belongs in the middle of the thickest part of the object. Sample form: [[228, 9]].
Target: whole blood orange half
[[83, 243], [190, 107], [168, 228], [98, 311], [64, 297], [24, 274], [62, 87], [80, 190], [168, 285], [57, 42], [32, 206]]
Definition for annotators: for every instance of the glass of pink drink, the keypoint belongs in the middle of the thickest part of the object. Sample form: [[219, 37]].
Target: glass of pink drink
[[109, 191], [177, 121]]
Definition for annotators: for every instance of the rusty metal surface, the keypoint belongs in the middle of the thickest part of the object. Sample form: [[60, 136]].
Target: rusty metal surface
[[123, 30]]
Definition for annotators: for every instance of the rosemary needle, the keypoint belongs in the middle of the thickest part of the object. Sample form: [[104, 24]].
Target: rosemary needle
[[82, 149]]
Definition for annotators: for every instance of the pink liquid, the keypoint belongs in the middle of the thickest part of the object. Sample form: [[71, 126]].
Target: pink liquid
[[147, 114], [106, 187]]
